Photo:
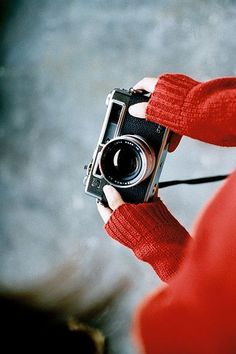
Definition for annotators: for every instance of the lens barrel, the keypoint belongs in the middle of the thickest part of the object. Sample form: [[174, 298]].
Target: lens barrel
[[126, 161]]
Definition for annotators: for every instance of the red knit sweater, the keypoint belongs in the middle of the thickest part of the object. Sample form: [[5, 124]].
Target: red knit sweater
[[195, 313]]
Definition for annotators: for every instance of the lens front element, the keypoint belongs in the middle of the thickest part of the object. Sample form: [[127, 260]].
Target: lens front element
[[126, 161]]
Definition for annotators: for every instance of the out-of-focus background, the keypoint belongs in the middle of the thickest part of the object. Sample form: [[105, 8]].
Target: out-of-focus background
[[59, 59]]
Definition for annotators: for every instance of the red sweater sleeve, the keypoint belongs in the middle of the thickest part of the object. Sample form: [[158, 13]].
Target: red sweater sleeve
[[153, 234], [196, 312], [204, 111]]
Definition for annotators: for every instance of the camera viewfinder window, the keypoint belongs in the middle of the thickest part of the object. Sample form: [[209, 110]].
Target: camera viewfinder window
[[115, 112], [113, 121]]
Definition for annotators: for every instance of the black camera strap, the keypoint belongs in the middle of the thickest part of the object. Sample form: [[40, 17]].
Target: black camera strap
[[192, 181]]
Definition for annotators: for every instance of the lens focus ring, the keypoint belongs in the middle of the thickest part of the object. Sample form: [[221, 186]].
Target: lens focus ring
[[126, 161]]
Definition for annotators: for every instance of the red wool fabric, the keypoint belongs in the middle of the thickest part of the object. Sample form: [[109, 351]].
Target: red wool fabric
[[153, 234], [195, 312]]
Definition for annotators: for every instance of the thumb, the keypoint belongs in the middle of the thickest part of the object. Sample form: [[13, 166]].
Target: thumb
[[174, 142], [138, 110], [113, 197]]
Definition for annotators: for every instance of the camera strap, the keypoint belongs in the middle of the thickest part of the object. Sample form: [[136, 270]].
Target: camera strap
[[192, 181]]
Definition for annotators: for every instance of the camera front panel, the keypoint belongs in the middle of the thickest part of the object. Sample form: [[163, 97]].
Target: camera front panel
[[156, 136], [119, 122]]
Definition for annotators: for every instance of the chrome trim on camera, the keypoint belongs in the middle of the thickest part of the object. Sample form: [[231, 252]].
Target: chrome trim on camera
[[153, 185], [112, 130], [121, 119], [97, 151]]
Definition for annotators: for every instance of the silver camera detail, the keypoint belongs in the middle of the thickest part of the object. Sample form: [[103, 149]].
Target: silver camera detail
[[130, 152]]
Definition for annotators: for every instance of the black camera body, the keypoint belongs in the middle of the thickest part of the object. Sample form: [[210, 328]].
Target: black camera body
[[130, 152]]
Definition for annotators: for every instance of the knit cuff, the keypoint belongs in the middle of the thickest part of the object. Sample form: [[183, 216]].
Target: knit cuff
[[152, 232], [131, 223], [167, 101]]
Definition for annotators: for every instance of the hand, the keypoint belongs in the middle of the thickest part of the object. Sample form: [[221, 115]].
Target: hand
[[139, 110], [148, 84], [114, 201]]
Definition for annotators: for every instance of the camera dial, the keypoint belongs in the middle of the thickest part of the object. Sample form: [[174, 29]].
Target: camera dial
[[126, 161]]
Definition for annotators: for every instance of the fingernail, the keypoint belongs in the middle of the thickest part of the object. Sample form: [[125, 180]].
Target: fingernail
[[130, 110], [134, 110]]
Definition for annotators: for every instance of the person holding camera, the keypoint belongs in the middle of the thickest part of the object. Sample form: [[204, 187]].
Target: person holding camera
[[195, 311]]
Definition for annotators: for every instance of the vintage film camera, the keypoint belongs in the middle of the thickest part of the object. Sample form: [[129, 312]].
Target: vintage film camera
[[130, 152]]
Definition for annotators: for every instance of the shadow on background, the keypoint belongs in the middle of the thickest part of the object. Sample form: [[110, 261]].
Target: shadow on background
[[32, 329]]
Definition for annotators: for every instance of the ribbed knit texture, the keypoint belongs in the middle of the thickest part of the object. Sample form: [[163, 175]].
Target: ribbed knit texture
[[153, 234], [196, 312], [201, 111]]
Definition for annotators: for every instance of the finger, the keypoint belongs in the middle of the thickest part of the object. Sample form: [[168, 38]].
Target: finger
[[138, 110], [156, 196], [174, 142], [113, 197], [148, 84], [104, 212]]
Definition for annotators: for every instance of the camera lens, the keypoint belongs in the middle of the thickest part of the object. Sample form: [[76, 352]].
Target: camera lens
[[122, 162], [126, 161]]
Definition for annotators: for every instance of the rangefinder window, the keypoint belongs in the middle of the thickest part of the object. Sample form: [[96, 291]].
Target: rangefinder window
[[115, 112]]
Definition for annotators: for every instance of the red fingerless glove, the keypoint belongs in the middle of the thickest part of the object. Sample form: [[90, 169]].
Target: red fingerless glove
[[153, 234], [204, 111]]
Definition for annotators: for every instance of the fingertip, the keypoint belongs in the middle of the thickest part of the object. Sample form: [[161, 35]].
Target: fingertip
[[107, 189], [138, 85], [174, 142], [138, 110], [131, 110], [113, 197], [147, 83], [110, 193]]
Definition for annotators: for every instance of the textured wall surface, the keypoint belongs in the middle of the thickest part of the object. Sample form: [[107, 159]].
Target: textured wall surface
[[59, 59]]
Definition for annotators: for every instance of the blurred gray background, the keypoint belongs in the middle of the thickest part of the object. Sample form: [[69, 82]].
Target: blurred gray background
[[59, 59]]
